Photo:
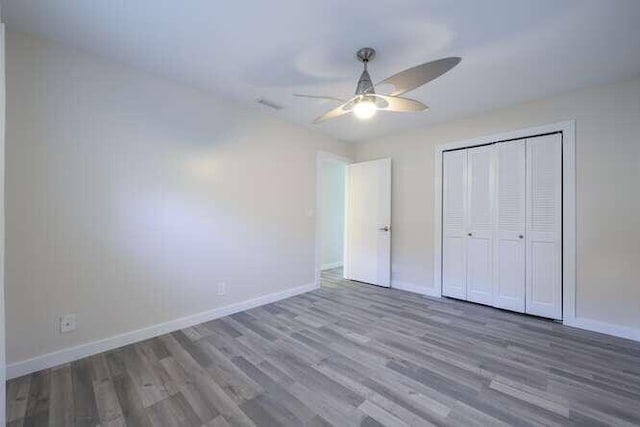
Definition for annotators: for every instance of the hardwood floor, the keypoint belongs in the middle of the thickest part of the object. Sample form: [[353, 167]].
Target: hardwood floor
[[347, 354]]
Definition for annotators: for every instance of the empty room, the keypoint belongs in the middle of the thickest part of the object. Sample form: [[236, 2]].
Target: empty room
[[329, 213]]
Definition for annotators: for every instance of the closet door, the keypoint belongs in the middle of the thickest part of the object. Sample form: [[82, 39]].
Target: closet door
[[480, 185], [544, 226], [509, 257], [454, 194]]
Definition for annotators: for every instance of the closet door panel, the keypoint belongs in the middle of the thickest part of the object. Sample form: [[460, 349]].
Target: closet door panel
[[544, 226], [454, 279], [454, 193], [480, 185], [479, 281], [509, 258]]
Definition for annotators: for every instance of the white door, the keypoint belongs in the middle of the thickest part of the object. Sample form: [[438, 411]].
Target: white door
[[367, 255], [454, 195], [479, 240], [544, 226], [509, 249]]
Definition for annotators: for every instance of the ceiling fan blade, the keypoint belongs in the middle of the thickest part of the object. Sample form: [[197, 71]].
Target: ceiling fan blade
[[331, 98], [414, 77], [336, 112], [400, 105]]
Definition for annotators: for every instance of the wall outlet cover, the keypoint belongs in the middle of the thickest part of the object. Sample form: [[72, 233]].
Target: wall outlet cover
[[67, 323], [222, 288]]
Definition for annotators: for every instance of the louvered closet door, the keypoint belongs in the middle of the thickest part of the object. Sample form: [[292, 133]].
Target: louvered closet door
[[454, 194], [509, 255], [480, 185], [544, 226]]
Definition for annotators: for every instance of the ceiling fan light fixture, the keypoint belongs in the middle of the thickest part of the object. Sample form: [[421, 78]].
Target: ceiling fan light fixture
[[365, 109], [366, 102]]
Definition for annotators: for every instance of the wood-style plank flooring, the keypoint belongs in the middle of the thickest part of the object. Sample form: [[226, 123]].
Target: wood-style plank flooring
[[346, 354]]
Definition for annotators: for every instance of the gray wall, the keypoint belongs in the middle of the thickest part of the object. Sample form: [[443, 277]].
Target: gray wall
[[129, 198], [608, 206]]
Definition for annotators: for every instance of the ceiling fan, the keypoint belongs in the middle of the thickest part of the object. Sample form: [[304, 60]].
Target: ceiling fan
[[367, 102]]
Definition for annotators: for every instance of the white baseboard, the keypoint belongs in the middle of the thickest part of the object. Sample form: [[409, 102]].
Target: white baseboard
[[3, 397], [412, 287], [579, 322], [67, 355], [331, 265], [604, 328], [49, 360]]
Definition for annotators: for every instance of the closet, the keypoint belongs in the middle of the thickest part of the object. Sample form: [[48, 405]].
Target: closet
[[502, 225]]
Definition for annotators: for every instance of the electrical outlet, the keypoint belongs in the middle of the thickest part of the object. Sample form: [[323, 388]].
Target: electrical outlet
[[222, 288], [67, 323]]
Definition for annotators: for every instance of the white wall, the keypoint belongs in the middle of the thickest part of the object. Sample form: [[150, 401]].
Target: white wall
[[332, 215], [608, 206], [130, 197], [2, 145]]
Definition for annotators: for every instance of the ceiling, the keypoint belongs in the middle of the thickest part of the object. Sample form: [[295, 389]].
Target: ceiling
[[513, 50]]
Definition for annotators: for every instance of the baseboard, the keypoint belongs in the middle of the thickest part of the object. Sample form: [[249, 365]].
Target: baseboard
[[3, 397], [331, 265], [67, 355], [604, 328], [412, 287], [581, 323]]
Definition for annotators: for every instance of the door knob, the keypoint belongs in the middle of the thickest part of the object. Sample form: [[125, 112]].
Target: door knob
[[521, 237], [385, 228], [469, 234]]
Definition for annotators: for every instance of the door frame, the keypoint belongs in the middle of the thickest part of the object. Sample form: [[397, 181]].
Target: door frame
[[321, 157], [568, 129]]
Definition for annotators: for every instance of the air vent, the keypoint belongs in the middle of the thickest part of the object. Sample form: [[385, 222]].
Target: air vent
[[269, 103]]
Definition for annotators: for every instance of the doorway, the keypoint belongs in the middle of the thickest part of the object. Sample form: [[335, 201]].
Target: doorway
[[330, 211], [353, 219]]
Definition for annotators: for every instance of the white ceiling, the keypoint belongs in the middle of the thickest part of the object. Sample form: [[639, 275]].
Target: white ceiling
[[513, 50]]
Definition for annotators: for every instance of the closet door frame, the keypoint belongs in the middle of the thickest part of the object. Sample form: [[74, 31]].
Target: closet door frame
[[568, 205]]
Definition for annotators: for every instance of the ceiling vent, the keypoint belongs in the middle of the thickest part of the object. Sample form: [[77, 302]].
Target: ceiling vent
[[269, 103]]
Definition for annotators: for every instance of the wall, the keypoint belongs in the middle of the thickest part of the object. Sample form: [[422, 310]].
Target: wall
[[130, 197], [608, 209], [2, 235], [332, 215]]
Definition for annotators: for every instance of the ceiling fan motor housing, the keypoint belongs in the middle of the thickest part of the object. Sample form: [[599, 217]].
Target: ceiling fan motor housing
[[365, 85]]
